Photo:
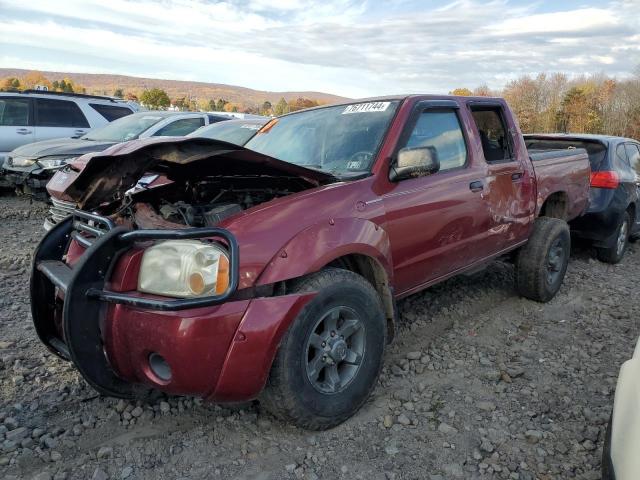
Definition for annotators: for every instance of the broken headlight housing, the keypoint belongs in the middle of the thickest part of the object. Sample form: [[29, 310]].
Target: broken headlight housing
[[184, 269]]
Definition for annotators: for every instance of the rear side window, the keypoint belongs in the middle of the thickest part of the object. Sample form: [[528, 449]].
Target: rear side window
[[14, 112], [180, 128], [633, 155], [111, 112], [441, 130], [59, 113], [493, 133], [621, 157]]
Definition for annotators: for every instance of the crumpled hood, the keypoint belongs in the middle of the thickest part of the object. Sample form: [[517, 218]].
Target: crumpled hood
[[60, 146], [106, 176]]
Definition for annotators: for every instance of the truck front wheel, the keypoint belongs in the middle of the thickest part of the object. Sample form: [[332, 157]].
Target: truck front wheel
[[542, 263], [329, 360]]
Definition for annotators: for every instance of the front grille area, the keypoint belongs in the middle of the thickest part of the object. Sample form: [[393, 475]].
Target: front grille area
[[60, 210], [88, 227]]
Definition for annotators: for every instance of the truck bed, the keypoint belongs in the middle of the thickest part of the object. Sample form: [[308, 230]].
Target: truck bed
[[566, 170]]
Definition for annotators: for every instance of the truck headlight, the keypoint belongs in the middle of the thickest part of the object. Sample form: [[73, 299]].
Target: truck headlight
[[184, 268], [54, 162]]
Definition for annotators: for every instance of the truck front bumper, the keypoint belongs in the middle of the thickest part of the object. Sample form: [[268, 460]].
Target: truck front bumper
[[126, 344]]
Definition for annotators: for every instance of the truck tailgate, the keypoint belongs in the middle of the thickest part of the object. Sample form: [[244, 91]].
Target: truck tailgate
[[565, 171]]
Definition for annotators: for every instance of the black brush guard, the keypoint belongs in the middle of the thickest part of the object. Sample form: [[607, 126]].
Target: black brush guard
[[85, 296]]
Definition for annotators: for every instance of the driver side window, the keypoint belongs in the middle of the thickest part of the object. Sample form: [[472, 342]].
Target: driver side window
[[441, 130]]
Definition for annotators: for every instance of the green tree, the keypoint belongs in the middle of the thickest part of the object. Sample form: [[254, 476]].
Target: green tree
[[282, 107], [211, 105], [180, 103], [220, 105], [266, 108], [155, 98], [118, 93]]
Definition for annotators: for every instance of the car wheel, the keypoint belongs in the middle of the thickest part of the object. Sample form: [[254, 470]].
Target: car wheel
[[330, 358], [542, 263], [615, 253]]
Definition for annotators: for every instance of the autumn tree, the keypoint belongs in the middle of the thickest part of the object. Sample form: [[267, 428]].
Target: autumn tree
[[461, 92], [118, 93], [211, 105], [10, 83], [155, 98], [34, 79]]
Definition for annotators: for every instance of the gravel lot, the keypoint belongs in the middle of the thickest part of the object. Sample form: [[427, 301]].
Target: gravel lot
[[478, 384]]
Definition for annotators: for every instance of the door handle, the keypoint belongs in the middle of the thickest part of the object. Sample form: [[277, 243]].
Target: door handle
[[476, 186], [23, 131], [516, 176]]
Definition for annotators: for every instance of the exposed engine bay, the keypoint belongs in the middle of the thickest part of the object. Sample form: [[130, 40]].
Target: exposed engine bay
[[203, 203]]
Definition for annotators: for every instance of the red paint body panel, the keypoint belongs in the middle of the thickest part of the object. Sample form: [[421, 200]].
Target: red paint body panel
[[254, 346], [421, 230]]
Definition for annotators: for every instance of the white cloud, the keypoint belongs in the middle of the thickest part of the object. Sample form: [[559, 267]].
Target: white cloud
[[349, 47]]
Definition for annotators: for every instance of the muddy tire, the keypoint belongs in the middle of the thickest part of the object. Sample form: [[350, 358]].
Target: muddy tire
[[615, 253], [542, 263], [329, 360]]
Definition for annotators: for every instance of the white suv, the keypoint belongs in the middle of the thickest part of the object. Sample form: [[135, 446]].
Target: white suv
[[35, 115]]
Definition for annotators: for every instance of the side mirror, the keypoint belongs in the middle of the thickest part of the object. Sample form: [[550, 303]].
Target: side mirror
[[414, 162]]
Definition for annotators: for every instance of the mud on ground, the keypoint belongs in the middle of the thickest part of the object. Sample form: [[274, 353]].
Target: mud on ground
[[479, 384]]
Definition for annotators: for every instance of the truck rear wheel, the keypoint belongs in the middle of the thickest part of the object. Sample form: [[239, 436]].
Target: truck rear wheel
[[329, 360], [615, 253], [542, 263]]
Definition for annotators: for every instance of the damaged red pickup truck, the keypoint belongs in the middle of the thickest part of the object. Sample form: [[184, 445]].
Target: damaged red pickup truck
[[272, 271]]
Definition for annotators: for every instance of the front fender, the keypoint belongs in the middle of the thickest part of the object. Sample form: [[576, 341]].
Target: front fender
[[320, 244]]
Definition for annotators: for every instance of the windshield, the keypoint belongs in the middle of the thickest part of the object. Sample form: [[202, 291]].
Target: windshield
[[124, 129], [340, 140], [230, 131]]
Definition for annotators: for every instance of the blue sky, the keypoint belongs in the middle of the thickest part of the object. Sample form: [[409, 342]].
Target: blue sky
[[347, 47]]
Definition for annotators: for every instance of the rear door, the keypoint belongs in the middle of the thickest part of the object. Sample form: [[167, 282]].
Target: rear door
[[58, 119], [434, 221], [16, 124], [509, 186]]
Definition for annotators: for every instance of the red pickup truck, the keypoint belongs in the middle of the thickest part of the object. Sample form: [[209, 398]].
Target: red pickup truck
[[272, 271]]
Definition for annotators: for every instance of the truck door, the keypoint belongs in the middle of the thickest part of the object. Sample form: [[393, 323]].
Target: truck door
[[509, 187], [435, 220]]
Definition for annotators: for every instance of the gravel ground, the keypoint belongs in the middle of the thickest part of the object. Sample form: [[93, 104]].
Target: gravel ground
[[478, 384]]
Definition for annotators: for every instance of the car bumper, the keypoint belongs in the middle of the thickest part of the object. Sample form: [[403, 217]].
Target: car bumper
[[599, 227], [625, 425], [33, 177], [221, 352]]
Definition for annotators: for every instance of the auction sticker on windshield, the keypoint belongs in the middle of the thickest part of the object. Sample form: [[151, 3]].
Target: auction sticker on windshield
[[366, 107]]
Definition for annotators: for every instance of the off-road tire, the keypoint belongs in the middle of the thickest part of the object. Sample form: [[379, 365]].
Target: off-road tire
[[613, 254], [532, 261], [289, 394]]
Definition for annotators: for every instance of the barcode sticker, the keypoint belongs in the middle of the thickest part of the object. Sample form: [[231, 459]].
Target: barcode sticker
[[366, 107]]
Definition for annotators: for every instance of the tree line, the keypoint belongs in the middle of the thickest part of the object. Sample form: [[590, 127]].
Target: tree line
[[552, 102], [595, 103]]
